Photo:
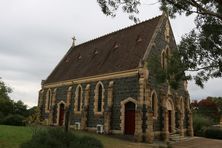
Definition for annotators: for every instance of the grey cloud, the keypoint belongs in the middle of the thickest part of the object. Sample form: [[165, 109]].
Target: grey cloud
[[35, 35]]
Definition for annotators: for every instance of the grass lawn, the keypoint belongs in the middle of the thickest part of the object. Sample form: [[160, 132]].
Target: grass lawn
[[111, 142], [13, 136]]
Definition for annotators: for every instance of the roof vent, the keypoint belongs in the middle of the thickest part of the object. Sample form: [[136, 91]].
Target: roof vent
[[115, 46], [95, 52], [79, 57], [67, 60], [139, 39]]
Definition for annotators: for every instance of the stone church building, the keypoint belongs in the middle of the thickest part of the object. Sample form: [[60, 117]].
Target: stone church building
[[109, 87]]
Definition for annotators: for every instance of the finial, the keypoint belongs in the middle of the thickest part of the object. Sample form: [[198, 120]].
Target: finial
[[74, 40]]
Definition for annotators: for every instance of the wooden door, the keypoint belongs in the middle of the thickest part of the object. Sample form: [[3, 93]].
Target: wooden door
[[61, 114], [169, 121], [129, 118]]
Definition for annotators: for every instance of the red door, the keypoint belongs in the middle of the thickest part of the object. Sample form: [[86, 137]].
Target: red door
[[129, 118], [61, 114]]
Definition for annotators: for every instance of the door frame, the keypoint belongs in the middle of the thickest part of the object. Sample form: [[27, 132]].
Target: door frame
[[122, 112], [58, 111]]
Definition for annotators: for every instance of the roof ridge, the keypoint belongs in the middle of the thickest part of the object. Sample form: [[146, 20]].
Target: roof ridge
[[110, 33]]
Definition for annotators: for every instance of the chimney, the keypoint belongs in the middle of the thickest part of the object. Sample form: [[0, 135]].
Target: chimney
[[74, 40]]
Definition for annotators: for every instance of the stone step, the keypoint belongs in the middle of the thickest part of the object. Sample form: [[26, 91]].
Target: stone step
[[177, 137]]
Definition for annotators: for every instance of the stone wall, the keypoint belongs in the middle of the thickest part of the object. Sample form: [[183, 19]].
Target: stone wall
[[122, 89]]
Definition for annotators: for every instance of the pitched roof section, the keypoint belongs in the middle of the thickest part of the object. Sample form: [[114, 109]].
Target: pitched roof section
[[117, 51]]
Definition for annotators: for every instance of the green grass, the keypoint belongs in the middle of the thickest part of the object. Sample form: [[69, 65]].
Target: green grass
[[13, 136], [112, 142]]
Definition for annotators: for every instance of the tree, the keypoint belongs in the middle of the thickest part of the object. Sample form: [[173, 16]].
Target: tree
[[4, 90], [201, 49], [11, 112], [209, 107], [20, 108], [33, 115], [6, 105]]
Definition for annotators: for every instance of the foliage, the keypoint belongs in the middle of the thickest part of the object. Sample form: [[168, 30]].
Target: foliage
[[6, 106], [57, 138], [213, 132], [201, 49], [200, 123], [4, 90], [173, 72], [1, 117], [109, 7], [33, 115], [218, 101], [208, 108], [10, 110], [14, 119], [20, 108]]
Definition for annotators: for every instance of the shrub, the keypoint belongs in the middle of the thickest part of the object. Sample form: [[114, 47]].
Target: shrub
[[213, 132], [17, 120], [1, 117], [57, 138], [200, 123]]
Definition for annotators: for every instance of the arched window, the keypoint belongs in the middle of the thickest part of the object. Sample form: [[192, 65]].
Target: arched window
[[78, 99], [100, 98], [163, 61], [154, 103], [48, 100], [167, 32], [153, 99]]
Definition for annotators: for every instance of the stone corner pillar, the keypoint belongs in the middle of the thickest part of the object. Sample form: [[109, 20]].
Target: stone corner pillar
[[181, 124], [165, 134], [138, 135], [83, 120], [85, 108], [108, 111], [190, 125], [107, 120], [149, 130]]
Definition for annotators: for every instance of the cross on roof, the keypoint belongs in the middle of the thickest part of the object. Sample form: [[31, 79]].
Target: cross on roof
[[74, 40]]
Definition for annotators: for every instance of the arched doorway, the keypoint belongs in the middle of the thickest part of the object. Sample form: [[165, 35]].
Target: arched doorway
[[61, 114], [171, 115], [129, 118]]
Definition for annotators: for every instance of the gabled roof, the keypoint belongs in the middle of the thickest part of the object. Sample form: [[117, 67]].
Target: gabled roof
[[118, 51]]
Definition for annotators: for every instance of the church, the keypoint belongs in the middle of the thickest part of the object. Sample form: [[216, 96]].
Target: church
[[109, 86]]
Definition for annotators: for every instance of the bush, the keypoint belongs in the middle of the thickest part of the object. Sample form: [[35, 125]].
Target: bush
[[200, 123], [17, 120], [213, 132], [57, 138], [1, 117]]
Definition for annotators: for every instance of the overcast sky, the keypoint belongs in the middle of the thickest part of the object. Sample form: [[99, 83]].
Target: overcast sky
[[35, 35]]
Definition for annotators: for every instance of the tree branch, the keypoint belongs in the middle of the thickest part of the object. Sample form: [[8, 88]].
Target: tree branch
[[204, 10]]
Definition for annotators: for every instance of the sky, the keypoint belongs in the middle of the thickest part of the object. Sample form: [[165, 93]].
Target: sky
[[36, 34]]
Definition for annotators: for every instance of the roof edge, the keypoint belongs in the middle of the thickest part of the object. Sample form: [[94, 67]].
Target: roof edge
[[105, 76], [117, 31], [163, 16]]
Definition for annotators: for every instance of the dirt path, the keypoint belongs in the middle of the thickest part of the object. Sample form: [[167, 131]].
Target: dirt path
[[199, 142]]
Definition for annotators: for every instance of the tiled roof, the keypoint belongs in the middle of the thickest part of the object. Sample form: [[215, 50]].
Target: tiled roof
[[118, 51]]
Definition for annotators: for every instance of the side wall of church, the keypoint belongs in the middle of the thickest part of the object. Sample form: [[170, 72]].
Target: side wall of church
[[123, 88]]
